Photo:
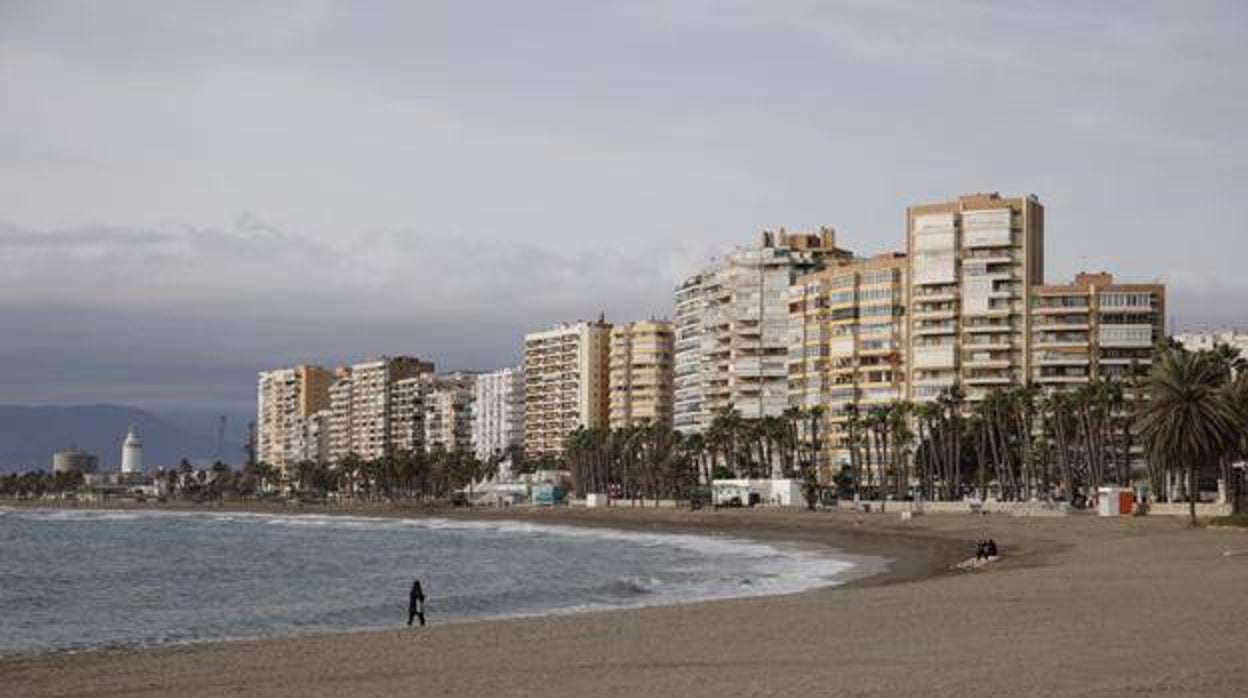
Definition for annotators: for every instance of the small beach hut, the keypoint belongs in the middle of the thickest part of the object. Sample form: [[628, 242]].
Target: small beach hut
[[1115, 501]]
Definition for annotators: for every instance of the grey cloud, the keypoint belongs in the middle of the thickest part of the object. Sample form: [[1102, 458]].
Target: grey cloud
[[91, 321]]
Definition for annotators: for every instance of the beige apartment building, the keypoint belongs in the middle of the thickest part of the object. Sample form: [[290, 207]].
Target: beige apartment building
[[640, 374], [738, 356], [565, 384], [287, 402], [1094, 328], [973, 264], [365, 419], [848, 325]]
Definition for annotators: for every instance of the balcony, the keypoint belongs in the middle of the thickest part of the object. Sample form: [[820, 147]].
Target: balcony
[[934, 327], [1050, 358], [934, 357], [988, 329]]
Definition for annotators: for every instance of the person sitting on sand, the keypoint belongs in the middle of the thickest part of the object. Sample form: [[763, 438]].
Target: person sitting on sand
[[990, 548], [981, 549], [416, 604]]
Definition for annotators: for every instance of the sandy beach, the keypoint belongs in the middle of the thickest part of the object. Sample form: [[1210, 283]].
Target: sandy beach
[[1078, 606]]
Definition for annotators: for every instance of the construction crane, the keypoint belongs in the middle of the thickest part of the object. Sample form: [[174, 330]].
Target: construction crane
[[221, 439], [249, 443]]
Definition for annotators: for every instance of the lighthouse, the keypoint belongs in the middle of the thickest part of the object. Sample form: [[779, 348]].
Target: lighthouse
[[132, 452]]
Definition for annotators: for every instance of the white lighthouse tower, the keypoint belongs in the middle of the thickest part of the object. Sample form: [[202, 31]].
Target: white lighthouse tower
[[132, 452]]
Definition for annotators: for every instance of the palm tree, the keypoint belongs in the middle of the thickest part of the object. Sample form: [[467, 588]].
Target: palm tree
[[723, 437], [1187, 420], [1236, 395]]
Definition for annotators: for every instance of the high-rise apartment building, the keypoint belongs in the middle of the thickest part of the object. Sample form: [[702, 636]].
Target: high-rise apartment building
[[364, 420], [286, 401], [565, 384], [408, 399], [339, 438], [640, 374], [1094, 328], [687, 379], [973, 264], [737, 356], [848, 347], [498, 412], [448, 413]]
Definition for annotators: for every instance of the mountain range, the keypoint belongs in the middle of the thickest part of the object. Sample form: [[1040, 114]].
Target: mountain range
[[30, 435]]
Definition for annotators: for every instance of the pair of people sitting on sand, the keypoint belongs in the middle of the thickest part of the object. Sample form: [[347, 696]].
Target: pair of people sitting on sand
[[986, 549]]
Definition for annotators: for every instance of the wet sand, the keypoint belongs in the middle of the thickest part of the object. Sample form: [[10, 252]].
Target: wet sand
[[1078, 606]]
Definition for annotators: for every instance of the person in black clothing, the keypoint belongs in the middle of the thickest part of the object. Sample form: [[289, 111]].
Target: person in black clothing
[[991, 548], [981, 549], [416, 604]]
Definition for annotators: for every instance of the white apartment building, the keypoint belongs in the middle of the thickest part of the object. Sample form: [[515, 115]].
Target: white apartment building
[[741, 358], [688, 393], [565, 384], [498, 412]]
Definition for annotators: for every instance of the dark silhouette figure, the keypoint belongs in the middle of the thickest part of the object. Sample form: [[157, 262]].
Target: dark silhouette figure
[[981, 550], [991, 548], [416, 604]]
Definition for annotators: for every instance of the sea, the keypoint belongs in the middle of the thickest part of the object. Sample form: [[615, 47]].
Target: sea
[[74, 580]]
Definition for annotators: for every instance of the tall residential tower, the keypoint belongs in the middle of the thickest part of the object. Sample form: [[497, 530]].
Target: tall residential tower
[[565, 384], [641, 374], [738, 356], [973, 264]]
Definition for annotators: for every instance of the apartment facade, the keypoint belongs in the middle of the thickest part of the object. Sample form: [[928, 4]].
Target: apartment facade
[[742, 357], [364, 419], [973, 263], [448, 413], [640, 374], [848, 325], [1094, 328], [565, 384], [408, 401], [498, 412], [287, 401], [687, 372]]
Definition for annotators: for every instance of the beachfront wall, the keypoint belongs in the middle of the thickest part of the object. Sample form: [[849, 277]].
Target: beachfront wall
[[1203, 509], [597, 501], [963, 507]]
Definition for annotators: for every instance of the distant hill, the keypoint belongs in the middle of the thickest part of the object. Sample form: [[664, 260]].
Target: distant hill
[[29, 436]]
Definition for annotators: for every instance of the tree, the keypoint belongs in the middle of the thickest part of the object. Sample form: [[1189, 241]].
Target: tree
[[1187, 420], [1235, 393]]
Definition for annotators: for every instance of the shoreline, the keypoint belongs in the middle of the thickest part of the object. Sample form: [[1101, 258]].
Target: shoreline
[[865, 568], [909, 557], [1077, 606]]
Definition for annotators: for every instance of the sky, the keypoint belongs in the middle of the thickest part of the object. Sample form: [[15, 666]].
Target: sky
[[192, 192]]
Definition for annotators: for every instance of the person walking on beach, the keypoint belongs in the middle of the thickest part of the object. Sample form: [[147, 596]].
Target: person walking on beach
[[416, 604]]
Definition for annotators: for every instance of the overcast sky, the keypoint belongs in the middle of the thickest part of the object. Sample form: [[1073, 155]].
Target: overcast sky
[[191, 192]]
